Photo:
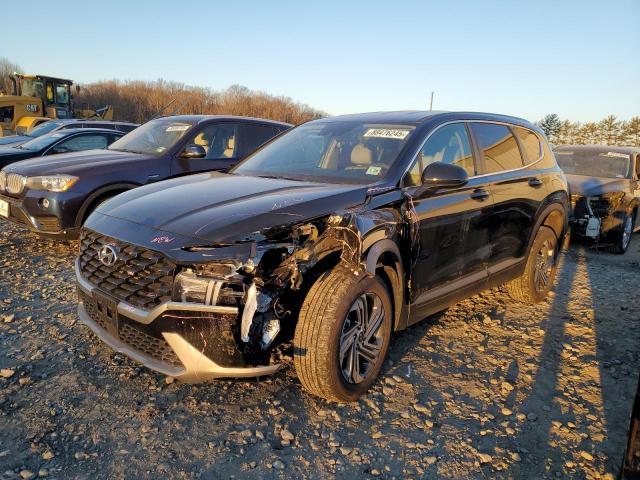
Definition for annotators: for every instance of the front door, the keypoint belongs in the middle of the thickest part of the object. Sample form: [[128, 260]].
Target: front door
[[451, 242], [221, 144]]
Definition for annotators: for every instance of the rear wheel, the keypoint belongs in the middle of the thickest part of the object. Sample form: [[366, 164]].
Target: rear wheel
[[539, 273], [626, 230], [342, 335]]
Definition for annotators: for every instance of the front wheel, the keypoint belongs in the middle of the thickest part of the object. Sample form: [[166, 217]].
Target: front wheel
[[539, 273], [626, 230], [342, 335]]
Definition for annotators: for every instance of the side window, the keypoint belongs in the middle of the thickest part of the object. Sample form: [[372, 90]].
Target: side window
[[81, 142], [62, 93], [498, 146], [254, 136], [219, 141], [449, 144], [638, 166], [530, 143]]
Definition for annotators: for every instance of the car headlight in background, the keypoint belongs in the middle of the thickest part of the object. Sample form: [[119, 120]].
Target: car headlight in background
[[51, 183]]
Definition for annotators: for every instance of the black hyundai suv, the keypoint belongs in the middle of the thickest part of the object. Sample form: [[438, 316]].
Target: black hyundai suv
[[335, 234], [53, 196]]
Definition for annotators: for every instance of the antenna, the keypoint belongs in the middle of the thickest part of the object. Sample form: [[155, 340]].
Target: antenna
[[431, 101]]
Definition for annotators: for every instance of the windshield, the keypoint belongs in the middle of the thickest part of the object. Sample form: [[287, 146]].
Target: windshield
[[43, 141], [594, 164], [334, 152], [43, 128], [32, 87], [154, 137]]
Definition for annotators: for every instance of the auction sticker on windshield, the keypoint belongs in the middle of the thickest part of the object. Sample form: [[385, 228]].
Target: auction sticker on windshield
[[4, 208], [177, 128], [387, 133]]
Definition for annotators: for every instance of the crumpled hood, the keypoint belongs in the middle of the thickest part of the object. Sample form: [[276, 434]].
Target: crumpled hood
[[74, 163], [595, 186], [221, 209]]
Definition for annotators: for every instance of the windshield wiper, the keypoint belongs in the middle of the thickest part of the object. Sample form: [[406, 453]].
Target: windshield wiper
[[125, 150], [280, 177]]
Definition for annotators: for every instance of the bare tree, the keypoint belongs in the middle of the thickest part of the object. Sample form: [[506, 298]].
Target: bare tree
[[7, 68], [139, 101]]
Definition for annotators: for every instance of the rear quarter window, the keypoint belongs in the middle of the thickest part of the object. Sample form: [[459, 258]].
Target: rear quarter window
[[530, 144]]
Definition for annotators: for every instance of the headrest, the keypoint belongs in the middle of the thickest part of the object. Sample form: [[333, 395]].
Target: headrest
[[231, 142], [361, 155]]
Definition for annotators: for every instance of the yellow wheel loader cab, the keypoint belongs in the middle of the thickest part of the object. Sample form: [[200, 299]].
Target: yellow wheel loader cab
[[38, 98]]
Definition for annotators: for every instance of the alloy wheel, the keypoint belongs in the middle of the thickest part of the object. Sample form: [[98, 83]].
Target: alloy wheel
[[362, 337], [545, 262], [626, 232]]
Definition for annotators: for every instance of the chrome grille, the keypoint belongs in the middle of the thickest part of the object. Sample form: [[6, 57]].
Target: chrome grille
[[141, 277], [3, 180], [15, 183]]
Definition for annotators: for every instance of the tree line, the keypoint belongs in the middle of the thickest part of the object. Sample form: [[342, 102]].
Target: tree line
[[608, 131], [139, 101]]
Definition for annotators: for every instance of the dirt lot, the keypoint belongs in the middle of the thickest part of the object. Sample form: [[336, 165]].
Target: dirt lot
[[487, 389]]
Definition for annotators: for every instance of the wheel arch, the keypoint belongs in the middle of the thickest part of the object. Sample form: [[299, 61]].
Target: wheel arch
[[98, 196], [384, 259]]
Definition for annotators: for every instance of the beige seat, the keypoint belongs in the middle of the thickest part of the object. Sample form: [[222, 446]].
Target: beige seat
[[231, 144], [361, 157], [202, 141]]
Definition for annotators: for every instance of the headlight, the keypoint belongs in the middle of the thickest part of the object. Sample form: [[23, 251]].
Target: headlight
[[189, 287], [52, 183], [194, 289], [3, 180]]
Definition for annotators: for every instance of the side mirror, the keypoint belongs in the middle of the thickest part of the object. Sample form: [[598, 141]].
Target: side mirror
[[193, 151], [439, 175]]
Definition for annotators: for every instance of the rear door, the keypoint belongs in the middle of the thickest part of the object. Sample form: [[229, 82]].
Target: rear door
[[253, 136], [517, 189], [452, 235]]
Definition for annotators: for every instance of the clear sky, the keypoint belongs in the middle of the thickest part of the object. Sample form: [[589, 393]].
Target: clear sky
[[577, 58]]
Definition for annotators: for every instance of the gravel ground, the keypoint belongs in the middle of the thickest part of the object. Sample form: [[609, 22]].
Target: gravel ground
[[487, 389]]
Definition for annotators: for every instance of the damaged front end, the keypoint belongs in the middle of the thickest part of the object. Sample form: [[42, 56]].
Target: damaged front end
[[594, 216], [208, 311]]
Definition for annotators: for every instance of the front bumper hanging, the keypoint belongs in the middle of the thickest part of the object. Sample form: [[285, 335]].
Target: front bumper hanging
[[172, 354]]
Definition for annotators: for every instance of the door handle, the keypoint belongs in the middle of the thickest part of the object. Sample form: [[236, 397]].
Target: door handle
[[535, 182], [480, 194]]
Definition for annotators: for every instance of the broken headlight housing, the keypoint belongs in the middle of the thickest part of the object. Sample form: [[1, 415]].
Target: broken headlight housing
[[193, 288]]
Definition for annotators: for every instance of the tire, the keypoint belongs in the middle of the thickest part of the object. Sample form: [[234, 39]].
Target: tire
[[95, 205], [328, 321], [626, 230], [530, 287]]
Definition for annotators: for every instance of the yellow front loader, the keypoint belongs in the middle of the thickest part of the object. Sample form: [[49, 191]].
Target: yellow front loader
[[38, 98]]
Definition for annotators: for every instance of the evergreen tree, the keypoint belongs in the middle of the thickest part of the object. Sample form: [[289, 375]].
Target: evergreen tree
[[551, 126], [609, 130], [632, 132]]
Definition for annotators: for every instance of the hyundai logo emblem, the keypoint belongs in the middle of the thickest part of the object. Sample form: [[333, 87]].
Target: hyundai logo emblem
[[107, 255]]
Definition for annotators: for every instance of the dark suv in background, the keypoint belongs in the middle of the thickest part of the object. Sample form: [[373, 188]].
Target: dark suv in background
[[335, 234], [54, 196], [604, 183], [51, 126]]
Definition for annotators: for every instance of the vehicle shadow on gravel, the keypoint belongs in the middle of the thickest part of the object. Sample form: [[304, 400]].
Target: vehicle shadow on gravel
[[555, 381]]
